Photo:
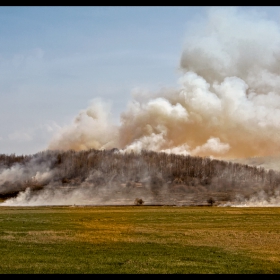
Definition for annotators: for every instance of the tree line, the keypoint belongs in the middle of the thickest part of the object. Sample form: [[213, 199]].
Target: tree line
[[102, 167]]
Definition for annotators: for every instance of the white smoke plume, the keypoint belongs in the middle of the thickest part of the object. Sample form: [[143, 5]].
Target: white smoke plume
[[83, 193], [91, 129], [57, 196], [227, 104], [261, 199], [33, 171]]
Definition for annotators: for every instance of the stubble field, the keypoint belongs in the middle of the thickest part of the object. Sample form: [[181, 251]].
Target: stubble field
[[139, 239]]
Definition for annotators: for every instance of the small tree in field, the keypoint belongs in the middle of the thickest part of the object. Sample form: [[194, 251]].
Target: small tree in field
[[138, 201], [210, 201]]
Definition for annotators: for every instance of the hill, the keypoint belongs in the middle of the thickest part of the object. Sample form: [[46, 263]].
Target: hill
[[106, 177]]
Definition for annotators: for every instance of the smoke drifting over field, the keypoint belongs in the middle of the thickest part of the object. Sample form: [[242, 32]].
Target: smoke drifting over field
[[227, 104], [261, 199]]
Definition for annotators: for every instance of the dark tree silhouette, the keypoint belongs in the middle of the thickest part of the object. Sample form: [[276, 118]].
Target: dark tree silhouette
[[138, 201], [210, 201]]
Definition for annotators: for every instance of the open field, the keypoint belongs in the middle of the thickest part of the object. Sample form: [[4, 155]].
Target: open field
[[139, 239]]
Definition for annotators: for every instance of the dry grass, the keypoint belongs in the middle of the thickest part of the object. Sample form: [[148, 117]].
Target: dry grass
[[256, 231]]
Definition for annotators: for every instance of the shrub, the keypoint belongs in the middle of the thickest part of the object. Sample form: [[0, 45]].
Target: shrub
[[210, 201], [138, 201]]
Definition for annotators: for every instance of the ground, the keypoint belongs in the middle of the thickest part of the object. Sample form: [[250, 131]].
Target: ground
[[139, 239]]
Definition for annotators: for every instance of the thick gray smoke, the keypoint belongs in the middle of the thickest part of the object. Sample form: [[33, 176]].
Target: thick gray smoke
[[35, 170], [227, 104]]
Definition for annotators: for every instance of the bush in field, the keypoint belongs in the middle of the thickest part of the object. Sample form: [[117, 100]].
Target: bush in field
[[211, 201], [138, 201]]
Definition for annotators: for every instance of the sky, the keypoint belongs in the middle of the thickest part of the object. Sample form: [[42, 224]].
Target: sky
[[55, 61]]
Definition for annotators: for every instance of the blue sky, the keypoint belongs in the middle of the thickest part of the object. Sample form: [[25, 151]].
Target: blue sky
[[55, 60]]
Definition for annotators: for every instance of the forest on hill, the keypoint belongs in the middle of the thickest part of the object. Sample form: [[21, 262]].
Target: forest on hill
[[116, 177]]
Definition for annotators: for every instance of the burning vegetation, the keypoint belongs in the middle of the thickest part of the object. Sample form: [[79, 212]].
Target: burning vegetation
[[113, 177]]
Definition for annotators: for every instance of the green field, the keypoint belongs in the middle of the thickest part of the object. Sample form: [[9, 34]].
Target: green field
[[139, 239]]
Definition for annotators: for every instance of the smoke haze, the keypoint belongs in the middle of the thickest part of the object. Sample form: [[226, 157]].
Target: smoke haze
[[113, 177], [226, 106]]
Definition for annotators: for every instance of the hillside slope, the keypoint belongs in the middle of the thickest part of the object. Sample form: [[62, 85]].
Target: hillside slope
[[111, 177]]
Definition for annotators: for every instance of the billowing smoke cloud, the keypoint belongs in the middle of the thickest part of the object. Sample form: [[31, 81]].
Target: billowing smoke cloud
[[91, 129], [35, 170], [227, 104]]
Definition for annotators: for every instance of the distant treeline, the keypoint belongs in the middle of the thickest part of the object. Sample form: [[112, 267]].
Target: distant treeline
[[105, 167]]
